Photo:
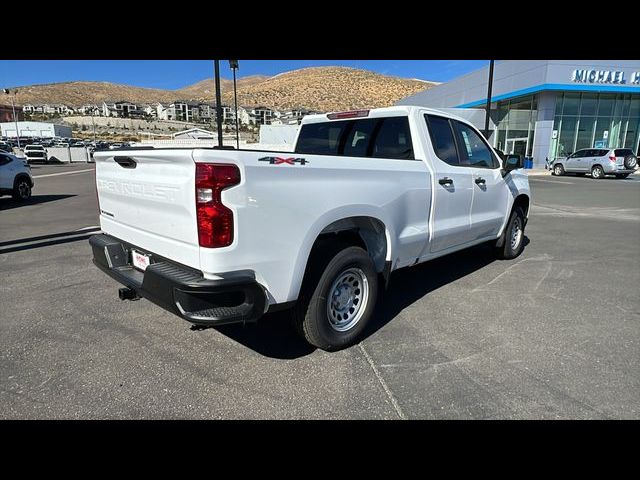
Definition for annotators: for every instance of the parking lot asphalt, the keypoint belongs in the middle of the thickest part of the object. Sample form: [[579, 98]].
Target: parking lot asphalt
[[552, 334]]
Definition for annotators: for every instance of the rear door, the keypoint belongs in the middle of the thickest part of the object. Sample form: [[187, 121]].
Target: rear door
[[489, 203], [147, 198], [453, 187], [621, 154]]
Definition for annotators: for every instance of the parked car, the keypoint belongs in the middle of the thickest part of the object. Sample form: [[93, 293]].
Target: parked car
[[5, 147], [598, 162], [221, 236], [36, 153], [15, 177]]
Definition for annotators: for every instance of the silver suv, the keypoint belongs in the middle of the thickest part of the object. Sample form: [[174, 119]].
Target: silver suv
[[599, 162]]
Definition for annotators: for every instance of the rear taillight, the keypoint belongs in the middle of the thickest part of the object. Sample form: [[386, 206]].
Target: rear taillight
[[612, 158], [215, 221]]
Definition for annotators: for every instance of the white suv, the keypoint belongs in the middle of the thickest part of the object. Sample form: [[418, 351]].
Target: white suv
[[15, 177]]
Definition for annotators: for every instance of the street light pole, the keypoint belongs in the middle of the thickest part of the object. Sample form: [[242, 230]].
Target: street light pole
[[216, 65], [13, 107], [234, 66]]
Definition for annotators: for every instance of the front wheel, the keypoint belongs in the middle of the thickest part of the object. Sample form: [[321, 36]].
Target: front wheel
[[597, 172], [21, 190], [333, 310], [513, 240]]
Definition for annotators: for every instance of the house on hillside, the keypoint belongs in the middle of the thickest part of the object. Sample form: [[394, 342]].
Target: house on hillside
[[120, 109], [183, 111], [90, 109]]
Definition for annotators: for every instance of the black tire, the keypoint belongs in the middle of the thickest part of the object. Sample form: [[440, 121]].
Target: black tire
[[622, 175], [597, 172], [630, 162], [558, 169], [311, 315], [21, 189], [509, 249]]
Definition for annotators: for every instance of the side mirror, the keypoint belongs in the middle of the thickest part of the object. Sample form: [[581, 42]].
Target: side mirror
[[513, 162]]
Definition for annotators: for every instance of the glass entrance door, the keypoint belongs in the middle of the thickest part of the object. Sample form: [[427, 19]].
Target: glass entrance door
[[516, 146]]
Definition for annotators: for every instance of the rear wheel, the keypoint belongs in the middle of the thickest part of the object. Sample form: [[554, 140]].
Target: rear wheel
[[558, 169], [597, 172], [21, 189], [336, 302]]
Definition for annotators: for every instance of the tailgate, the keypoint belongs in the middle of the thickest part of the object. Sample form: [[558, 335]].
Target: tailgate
[[147, 198]]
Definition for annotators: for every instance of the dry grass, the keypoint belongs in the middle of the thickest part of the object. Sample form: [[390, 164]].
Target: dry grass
[[319, 88]]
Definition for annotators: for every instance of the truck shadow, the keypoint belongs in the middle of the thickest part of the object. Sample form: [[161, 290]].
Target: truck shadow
[[273, 336], [9, 203]]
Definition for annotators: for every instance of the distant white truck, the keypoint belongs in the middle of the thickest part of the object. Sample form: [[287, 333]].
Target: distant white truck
[[220, 236]]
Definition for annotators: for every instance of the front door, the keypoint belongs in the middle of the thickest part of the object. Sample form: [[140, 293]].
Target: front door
[[489, 188], [453, 187]]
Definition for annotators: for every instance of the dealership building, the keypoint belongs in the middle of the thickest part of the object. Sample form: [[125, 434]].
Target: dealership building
[[547, 108], [34, 129]]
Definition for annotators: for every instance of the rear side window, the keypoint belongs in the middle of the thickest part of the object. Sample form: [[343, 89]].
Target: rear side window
[[474, 148], [442, 139], [623, 152], [321, 138], [602, 153], [4, 159]]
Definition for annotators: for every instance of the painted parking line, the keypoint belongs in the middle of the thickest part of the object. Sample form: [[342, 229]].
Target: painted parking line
[[550, 181], [63, 173]]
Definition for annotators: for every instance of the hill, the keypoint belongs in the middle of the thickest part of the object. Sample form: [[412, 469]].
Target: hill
[[317, 88]]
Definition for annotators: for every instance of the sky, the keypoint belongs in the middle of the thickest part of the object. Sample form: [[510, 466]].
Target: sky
[[175, 74]]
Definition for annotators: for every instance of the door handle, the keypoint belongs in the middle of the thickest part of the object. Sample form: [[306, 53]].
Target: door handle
[[445, 181], [480, 180]]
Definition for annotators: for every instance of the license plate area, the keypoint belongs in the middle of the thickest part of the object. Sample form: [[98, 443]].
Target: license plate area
[[140, 260]]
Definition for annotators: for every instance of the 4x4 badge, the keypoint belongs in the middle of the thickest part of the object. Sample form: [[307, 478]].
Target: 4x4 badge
[[280, 160]]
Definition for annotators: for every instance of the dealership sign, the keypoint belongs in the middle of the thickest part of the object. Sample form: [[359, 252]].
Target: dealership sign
[[604, 76]]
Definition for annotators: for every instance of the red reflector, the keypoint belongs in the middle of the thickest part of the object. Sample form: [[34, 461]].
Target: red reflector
[[612, 158], [351, 114], [215, 221]]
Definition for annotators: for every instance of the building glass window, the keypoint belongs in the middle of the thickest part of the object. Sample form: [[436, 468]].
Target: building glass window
[[515, 121], [595, 120]]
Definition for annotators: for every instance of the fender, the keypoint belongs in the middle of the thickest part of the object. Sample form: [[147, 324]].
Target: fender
[[321, 223]]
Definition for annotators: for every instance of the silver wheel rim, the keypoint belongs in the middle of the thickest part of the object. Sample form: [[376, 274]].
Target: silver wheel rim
[[596, 172], [23, 189], [558, 170], [516, 234], [347, 300]]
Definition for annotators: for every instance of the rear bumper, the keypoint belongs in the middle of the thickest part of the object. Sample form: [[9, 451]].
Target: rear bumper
[[181, 289]]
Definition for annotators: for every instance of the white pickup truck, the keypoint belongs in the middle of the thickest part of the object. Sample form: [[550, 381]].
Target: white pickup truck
[[221, 236]]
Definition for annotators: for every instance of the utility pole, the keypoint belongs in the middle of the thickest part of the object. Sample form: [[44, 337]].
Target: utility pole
[[235, 66], [486, 121], [13, 107], [216, 65], [94, 126]]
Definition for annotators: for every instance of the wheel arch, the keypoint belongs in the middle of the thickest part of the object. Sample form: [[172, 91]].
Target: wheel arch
[[365, 231], [25, 176]]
